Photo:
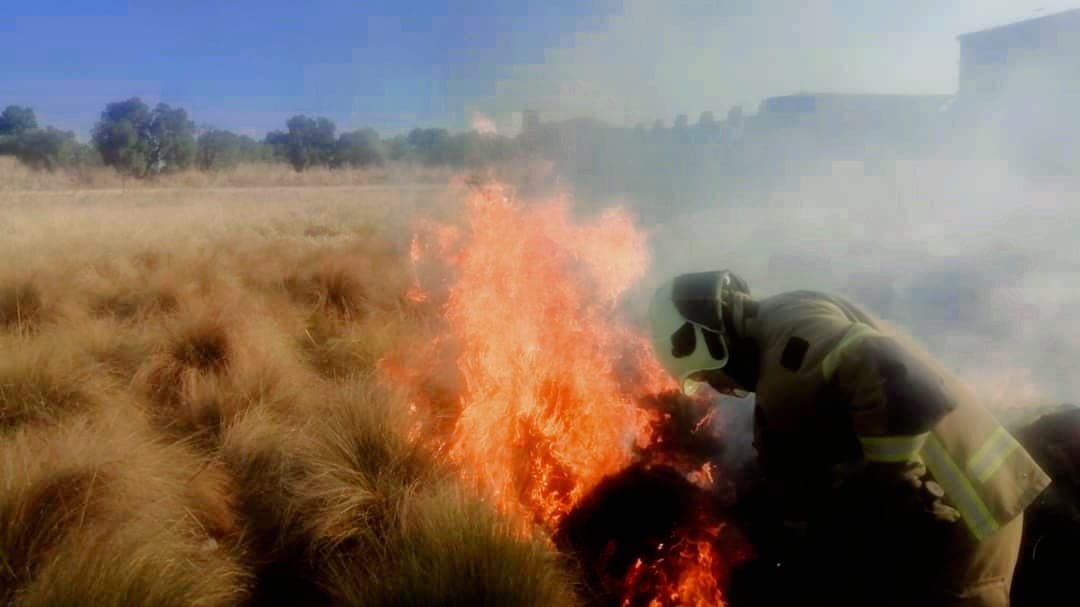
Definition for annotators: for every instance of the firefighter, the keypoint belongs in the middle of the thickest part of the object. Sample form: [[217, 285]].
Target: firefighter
[[882, 465]]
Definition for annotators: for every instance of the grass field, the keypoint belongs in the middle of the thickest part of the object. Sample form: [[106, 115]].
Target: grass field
[[189, 413]]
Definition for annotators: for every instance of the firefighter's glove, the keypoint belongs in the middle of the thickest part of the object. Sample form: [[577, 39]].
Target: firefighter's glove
[[906, 489], [894, 491]]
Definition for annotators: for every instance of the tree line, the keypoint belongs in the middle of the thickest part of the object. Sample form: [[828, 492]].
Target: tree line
[[143, 141]]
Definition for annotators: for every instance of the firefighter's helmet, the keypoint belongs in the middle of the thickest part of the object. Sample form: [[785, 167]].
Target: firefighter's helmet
[[687, 317]]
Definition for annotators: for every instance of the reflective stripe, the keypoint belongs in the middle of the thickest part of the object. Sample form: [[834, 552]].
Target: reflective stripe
[[892, 448], [958, 489], [991, 455], [832, 359]]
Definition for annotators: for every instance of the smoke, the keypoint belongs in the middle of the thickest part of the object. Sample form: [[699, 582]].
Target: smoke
[[979, 265], [962, 233], [965, 239], [654, 60]]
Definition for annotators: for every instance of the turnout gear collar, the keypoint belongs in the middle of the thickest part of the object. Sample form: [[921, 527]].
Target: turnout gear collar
[[690, 318]]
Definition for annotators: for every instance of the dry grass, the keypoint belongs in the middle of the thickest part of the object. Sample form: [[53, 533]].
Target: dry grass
[[95, 511], [16, 177], [188, 413]]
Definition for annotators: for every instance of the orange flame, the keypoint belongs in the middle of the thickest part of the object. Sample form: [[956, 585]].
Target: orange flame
[[547, 378]]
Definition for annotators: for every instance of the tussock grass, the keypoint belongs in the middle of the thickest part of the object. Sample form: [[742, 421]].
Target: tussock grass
[[41, 382], [20, 306], [189, 413], [435, 544], [214, 362], [331, 288], [97, 512], [336, 349]]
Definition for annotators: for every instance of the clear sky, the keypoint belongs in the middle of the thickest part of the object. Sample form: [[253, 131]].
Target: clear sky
[[395, 64]]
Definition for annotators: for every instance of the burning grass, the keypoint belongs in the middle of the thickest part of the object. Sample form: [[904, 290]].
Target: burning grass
[[189, 416], [325, 402]]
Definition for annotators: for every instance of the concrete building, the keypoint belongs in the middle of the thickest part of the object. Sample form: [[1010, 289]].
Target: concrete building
[[1019, 90], [1043, 53], [853, 111]]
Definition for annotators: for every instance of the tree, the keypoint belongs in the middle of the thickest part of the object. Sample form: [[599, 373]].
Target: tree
[[16, 119], [431, 145], [396, 149], [278, 142], [121, 138], [309, 142], [171, 140], [218, 148], [135, 140], [78, 155], [43, 148], [357, 149]]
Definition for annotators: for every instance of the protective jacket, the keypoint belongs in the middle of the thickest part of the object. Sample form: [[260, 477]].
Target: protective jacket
[[836, 385]]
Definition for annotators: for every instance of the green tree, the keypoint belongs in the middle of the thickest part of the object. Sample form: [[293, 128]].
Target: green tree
[[79, 155], [396, 149], [308, 142], [358, 149], [171, 140], [121, 136], [137, 141], [218, 148], [14, 120], [46, 148], [432, 146]]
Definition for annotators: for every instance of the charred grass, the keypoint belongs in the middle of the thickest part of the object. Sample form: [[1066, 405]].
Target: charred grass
[[196, 420]]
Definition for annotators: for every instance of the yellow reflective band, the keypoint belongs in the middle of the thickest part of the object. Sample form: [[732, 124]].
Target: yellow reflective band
[[893, 448], [992, 454], [832, 359], [958, 489]]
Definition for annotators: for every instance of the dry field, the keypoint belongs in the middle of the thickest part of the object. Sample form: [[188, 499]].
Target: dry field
[[189, 409]]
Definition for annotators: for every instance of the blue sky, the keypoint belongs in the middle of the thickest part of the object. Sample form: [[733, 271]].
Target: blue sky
[[393, 65], [249, 65]]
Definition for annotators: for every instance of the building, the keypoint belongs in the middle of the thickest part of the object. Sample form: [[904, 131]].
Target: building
[[1019, 87], [851, 119], [1037, 54]]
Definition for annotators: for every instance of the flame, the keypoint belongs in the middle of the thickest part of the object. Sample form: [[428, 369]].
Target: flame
[[415, 293], [483, 125], [543, 403]]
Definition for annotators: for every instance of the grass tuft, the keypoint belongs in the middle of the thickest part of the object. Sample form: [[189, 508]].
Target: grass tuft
[[188, 414], [41, 383], [329, 288], [21, 306], [99, 512]]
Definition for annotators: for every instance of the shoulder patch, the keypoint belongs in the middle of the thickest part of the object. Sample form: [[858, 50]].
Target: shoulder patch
[[794, 352]]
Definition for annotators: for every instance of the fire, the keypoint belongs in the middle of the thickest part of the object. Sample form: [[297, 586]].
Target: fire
[[544, 404], [687, 572]]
